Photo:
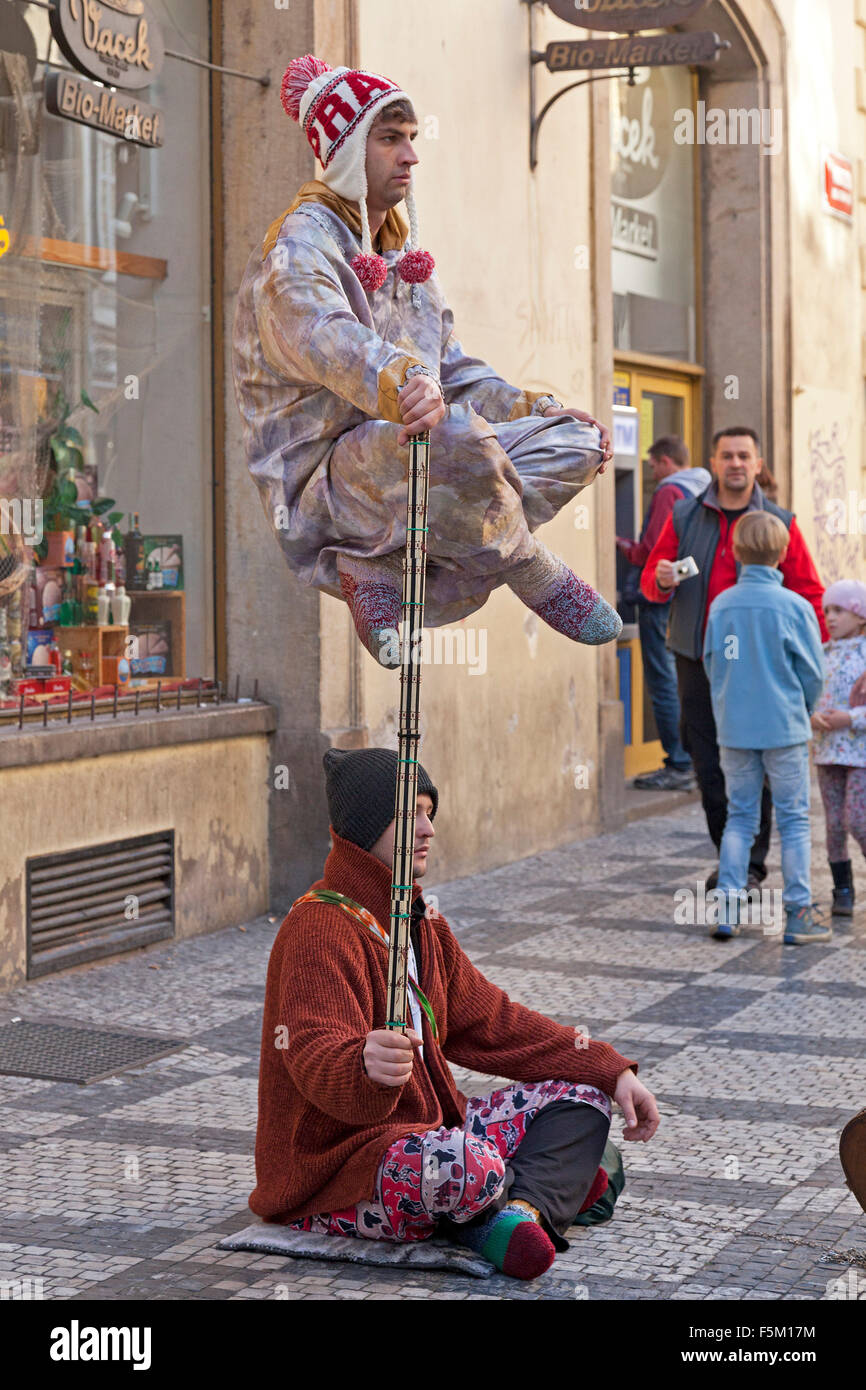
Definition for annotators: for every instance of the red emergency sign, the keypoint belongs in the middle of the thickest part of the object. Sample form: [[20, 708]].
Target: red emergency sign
[[839, 185]]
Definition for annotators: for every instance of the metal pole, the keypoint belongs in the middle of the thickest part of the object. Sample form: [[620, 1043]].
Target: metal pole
[[414, 575]]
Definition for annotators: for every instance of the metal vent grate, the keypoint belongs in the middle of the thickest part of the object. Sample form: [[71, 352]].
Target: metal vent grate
[[89, 903], [60, 1052]]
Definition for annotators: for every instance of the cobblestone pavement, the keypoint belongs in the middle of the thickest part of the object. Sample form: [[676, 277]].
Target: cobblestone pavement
[[755, 1050]]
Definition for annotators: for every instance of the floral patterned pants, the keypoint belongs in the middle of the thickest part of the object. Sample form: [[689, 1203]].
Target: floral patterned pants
[[843, 791], [450, 1172]]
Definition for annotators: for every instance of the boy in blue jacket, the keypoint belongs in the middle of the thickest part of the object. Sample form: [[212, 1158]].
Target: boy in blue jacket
[[764, 661]]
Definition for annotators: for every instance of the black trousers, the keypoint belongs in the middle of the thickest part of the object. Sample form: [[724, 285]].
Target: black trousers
[[554, 1166], [698, 734]]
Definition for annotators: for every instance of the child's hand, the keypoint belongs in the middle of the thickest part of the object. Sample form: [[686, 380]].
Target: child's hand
[[858, 693], [832, 719]]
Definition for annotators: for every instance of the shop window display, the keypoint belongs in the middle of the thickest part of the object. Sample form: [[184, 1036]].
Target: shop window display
[[106, 476]]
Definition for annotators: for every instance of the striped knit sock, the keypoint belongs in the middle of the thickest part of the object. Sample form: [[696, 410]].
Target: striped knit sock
[[512, 1240], [564, 602], [372, 590]]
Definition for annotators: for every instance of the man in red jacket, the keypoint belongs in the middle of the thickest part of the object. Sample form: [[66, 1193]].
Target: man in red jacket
[[361, 1129], [701, 527]]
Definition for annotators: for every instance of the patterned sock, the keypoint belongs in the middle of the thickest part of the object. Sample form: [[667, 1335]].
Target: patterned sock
[[564, 602], [373, 591], [512, 1240]]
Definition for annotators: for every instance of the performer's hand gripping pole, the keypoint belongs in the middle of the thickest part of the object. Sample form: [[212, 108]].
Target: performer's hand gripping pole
[[414, 575]]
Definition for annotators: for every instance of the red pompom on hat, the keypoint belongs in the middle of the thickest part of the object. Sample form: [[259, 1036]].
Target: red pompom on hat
[[371, 270], [336, 108], [416, 267], [296, 79]]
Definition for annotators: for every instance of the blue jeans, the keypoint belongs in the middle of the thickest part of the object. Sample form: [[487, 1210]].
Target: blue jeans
[[660, 674], [788, 773]]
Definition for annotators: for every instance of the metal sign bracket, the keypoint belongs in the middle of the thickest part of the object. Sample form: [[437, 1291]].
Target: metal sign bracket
[[538, 56]]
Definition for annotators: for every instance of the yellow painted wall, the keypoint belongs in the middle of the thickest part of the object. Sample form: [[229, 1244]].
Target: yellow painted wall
[[214, 795]]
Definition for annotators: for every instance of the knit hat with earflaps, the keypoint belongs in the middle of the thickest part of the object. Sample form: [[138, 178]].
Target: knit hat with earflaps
[[336, 108], [361, 787]]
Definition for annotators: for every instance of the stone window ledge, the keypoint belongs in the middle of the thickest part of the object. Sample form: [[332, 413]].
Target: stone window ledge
[[85, 738]]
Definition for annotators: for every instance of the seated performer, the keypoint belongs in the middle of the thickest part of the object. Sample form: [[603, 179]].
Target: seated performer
[[361, 1130], [340, 353]]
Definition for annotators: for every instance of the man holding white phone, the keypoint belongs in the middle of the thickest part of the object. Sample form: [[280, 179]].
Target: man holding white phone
[[699, 529]]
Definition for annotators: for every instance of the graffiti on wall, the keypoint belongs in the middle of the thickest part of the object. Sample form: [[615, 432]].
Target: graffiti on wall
[[838, 546]]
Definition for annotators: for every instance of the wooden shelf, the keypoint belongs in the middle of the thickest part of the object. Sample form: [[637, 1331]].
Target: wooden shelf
[[164, 605], [102, 646], [77, 253]]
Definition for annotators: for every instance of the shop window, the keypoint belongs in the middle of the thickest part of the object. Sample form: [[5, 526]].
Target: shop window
[[105, 372], [653, 216]]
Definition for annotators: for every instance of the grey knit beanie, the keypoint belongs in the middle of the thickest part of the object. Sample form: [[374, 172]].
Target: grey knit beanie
[[361, 787]]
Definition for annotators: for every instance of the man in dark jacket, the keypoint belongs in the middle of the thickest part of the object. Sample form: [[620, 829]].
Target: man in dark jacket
[[362, 1130], [701, 527], [674, 478]]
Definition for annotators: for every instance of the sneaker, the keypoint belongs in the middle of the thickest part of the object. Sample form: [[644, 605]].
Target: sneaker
[[723, 931], [804, 925], [666, 779]]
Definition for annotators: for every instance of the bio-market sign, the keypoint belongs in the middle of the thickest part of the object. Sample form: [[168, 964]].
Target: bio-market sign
[[623, 16], [116, 41], [67, 94]]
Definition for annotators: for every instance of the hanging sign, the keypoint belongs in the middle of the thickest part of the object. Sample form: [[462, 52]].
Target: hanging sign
[[67, 94], [634, 51], [623, 16], [116, 41]]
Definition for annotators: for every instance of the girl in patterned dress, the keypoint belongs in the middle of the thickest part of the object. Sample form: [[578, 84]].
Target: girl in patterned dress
[[840, 735]]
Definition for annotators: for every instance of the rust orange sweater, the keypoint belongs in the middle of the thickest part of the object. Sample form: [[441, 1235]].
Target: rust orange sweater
[[323, 1123]]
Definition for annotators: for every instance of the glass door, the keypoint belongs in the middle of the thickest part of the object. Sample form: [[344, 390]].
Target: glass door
[[665, 405]]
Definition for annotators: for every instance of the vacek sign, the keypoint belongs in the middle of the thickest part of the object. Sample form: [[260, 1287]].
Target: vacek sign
[[623, 16], [116, 41]]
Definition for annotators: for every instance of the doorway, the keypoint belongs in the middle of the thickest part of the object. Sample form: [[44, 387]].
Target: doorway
[[655, 401]]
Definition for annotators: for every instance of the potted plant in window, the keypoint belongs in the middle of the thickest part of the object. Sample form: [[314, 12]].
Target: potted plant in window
[[64, 509]]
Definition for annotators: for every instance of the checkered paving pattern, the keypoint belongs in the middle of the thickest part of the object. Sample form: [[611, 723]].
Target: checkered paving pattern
[[756, 1052]]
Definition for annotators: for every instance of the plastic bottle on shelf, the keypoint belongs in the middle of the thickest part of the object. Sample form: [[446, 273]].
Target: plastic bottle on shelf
[[102, 606], [91, 610], [133, 546], [123, 604]]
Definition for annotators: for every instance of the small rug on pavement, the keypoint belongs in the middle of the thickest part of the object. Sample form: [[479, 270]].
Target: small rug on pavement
[[434, 1253]]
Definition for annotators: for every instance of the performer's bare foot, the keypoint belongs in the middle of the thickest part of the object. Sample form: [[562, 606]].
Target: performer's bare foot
[[372, 589], [563, 601]]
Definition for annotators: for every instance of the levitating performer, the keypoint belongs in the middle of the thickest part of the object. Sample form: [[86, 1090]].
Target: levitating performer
[[343, 346]]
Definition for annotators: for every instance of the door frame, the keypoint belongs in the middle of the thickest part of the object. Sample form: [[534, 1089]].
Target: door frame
[[683, 381]]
